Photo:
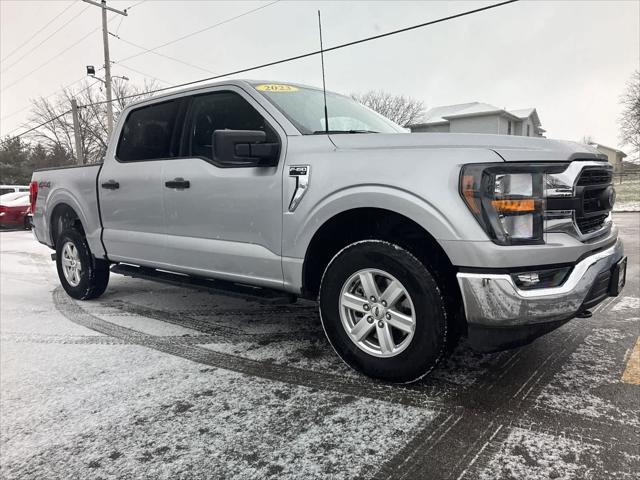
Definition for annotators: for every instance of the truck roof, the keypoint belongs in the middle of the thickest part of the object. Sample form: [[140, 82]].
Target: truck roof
[[235, 82]]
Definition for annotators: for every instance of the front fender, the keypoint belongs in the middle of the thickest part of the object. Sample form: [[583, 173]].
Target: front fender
[[405, 203]]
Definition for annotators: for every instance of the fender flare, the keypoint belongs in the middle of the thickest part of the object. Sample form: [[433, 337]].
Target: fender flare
[[402, 202], [62, 196]]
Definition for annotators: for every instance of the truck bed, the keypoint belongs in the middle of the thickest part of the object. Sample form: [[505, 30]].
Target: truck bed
[[75, 186]]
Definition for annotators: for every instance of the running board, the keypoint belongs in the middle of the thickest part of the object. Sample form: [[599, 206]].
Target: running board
[[221, 287]]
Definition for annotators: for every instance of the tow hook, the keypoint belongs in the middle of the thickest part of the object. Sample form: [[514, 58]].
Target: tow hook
[[584, 314]]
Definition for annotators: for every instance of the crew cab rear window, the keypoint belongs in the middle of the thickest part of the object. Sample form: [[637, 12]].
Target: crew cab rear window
[[148, 132]]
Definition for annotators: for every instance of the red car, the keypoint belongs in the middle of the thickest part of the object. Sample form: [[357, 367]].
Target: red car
[[14, 208]]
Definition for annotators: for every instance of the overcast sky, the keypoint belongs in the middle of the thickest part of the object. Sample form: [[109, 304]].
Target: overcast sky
[[570, 60]]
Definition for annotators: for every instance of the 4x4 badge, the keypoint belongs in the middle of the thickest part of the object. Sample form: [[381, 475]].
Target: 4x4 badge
[[301, 174]]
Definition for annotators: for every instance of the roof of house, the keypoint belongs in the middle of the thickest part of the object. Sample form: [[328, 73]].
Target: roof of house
[[441, 115], [523, 112]]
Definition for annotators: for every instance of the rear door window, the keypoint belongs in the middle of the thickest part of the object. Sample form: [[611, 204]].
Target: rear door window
[[148, 133]]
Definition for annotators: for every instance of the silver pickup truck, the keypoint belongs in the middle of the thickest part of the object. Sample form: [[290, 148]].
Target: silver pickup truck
[[406, 240]]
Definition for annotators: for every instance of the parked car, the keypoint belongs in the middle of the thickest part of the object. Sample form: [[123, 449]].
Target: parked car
[[405, 240], [4, 189], [14, 208]]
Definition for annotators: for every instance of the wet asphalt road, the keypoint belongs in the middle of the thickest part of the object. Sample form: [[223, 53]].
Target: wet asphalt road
[[152, 381]]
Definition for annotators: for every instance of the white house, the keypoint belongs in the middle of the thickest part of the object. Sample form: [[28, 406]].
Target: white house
[[479, 117], [614, 155]]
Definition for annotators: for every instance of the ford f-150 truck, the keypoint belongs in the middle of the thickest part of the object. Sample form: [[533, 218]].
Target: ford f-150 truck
[[406, 240]]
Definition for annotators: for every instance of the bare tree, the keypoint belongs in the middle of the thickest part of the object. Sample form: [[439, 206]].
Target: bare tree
[[587, 140], [56, 133], [629, 121], [397, 108]]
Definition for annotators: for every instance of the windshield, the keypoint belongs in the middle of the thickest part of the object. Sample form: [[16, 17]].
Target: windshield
[[304, 107]]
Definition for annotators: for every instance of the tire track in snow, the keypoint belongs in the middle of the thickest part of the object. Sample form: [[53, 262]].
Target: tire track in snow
[[222, 333], [476, 419], [98, 339], [360, 386], [505, 399]]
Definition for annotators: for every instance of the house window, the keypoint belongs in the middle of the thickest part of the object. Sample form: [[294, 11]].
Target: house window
[[509, 128], [528, 130]]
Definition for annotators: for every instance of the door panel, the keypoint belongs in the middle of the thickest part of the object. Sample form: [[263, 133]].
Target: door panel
[[130, 184], [228, 222], [133, 214]]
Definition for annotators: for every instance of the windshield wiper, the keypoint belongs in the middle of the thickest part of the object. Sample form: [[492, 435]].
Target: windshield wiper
[[320, 132]]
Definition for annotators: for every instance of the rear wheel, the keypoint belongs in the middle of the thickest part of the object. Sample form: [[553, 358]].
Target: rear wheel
[[81, 275], [383, 312]]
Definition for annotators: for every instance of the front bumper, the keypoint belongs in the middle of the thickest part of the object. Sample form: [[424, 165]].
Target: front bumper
[[493, 303]]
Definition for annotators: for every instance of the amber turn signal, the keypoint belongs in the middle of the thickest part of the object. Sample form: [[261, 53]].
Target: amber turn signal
[[514, 206]]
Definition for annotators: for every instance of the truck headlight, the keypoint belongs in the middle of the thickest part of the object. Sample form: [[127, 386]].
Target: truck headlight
[[507, 200]]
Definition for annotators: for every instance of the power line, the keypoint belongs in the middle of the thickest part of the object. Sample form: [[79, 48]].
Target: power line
[[200, 31], [309, 54], [330, 49], [144, 74], [47, 38], [134, 5], [119, 24], [148, 50], [51, 59], [139, 46], [51, 95], [80, 79], [48, 96], [40, 30], [87, 87], [43, 124]]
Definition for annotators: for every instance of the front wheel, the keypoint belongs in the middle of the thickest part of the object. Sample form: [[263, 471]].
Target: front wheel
[[82, 276], [383, 312]]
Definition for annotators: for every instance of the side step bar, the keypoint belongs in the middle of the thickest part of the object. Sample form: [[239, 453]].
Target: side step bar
[[221, 287]]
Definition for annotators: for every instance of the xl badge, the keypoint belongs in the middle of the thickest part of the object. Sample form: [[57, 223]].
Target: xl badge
[[301, 174]]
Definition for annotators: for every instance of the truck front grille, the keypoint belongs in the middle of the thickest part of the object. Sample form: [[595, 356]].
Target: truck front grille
[[590, 224], [594, 176], [594, 187], [580, 200]]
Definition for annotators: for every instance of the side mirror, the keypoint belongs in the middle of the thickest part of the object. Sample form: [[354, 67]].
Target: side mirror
[[244, 148]]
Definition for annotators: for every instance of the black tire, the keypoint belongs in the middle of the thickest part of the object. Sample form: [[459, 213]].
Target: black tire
[[94, 273], [428, 345], [27, 223]]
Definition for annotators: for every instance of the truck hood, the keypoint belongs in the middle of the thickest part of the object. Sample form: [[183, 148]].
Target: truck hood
[[510, 148]]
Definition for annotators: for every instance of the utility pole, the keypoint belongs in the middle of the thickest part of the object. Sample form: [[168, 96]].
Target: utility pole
[[76, 132], [107, 61]]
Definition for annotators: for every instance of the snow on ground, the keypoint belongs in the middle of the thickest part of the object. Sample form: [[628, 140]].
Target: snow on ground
[[73, 407], [627, 207], [627, 303], [168, 417], [78, 404], [294, 353], [627, 194], [591, 370], [529, 455]]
